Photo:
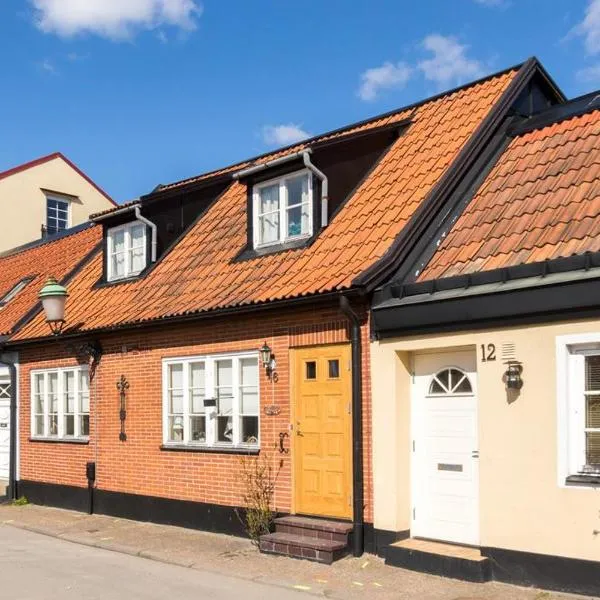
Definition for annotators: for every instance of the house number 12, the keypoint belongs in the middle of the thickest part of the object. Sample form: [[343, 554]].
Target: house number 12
[[488, 353]]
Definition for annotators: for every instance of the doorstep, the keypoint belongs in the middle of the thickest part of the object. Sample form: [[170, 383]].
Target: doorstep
[[313, 539], [438, 558]]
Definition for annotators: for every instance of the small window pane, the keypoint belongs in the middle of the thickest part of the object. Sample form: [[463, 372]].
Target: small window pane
[[334, 368], [118, 265], [225, 429], [592, 413], [592, 373], [462, 386], [269, 199], [250, 430], [197, 390], [118, 240], [592, 439], [176, 428], [198, 429], [53, 404], [249, 371], [444, 379], [311, 369], [269, 228], [249, 400]]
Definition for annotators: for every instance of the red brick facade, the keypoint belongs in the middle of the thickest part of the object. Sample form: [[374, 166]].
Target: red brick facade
[[139, 465]]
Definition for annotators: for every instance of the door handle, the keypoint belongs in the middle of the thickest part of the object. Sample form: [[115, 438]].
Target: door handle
[[298, 432]]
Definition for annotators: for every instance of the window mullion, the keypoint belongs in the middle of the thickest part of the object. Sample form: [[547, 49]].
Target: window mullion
[[235, 401], [282, 210], [186, 401], [46, 405], [211, 412], [77, 404], [127, 252]]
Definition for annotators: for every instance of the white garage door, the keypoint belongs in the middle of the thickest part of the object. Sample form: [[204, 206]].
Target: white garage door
[[445, 474]]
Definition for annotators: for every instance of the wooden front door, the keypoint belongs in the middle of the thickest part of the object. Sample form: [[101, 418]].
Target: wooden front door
[[322, 428]]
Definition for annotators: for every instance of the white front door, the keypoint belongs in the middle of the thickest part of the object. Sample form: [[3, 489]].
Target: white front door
[[445, 474], [4, 426]]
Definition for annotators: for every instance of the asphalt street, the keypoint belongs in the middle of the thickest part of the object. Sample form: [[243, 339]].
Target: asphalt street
[[37, 567]]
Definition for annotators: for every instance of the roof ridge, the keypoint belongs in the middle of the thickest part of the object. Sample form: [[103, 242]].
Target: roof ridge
[[47, 240]]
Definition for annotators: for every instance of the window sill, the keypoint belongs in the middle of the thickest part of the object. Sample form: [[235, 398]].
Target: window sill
[[249, 253], [53, 440], [243, 450], [583, 480]]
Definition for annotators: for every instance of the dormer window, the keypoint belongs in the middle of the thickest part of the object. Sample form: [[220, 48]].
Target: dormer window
[[126, 251], [283, 209]]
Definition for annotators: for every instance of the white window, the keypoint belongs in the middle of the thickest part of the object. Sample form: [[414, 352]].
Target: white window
[[57, 214], [211, 400], [579, 405], [60, 403], [126, 246], [283, 209]]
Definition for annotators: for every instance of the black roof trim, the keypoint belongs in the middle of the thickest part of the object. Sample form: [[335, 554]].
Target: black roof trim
[[577, 262], [47, 240], [429, 208], [560, 112], [316, 138]]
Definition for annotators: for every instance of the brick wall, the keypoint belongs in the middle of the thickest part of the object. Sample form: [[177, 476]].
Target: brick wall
[[139, 466]]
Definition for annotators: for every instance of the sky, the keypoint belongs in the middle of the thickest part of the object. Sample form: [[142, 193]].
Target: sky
[[142, 92]]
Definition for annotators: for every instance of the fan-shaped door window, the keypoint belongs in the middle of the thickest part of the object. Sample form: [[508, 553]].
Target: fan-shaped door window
[[450, 382]]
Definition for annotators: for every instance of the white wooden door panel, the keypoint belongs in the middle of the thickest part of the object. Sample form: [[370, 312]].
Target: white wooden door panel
[[445, 475]]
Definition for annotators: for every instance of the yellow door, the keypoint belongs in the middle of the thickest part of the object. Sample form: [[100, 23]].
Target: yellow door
[[322, 430]]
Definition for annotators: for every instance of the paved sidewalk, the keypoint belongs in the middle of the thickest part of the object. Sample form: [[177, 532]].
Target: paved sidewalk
[[349, 579]]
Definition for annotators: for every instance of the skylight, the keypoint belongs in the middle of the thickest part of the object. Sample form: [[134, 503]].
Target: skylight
[[14, 291]]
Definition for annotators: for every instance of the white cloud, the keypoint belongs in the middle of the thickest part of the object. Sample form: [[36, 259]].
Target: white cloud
[[491, 2], [47, 66], [589, 28], [387, 76], [284, 135], [589, 74], [113, 19], [449, 63]]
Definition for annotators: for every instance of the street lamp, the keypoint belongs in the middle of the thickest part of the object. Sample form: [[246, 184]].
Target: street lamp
[[54, 297]]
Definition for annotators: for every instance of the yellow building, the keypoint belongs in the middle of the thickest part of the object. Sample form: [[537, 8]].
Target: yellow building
[[44, 197], [486, 370]]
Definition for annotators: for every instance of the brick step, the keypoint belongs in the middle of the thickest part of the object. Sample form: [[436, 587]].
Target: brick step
[[297, 546], [447, 560], [308, 527]]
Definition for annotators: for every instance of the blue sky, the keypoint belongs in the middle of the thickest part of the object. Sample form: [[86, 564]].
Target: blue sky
[[141, 92]]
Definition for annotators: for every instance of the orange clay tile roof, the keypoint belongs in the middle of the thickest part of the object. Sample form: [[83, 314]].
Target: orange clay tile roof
[[200, 274], [53, 257], [540, 201]]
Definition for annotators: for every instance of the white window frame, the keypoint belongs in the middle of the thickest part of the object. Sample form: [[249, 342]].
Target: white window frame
[[283, 209], [62, 405], [211, 412], [128, 272], [64, 200], [571, 351]]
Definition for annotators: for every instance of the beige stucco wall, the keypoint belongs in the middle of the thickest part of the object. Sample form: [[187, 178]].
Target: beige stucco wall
[[524, 504], [23, 202]]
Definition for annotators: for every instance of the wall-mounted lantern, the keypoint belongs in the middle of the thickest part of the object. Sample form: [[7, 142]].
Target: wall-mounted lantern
[[54, 297], [267, 359], [513, 375]]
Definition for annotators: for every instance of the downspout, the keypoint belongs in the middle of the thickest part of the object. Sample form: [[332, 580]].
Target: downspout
[[324, 186], [12, 465], [153, 228], [358, 545]]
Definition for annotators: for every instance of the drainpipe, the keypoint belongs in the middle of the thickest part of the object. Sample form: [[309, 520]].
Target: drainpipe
[[305, 156], [12, 466], [324, 186], [358, 545], [153, 228]]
